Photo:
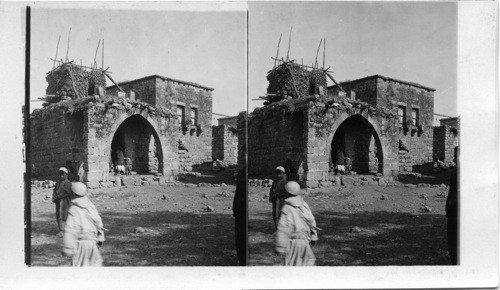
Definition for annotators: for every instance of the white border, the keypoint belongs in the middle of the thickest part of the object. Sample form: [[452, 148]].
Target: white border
[[477, 106]]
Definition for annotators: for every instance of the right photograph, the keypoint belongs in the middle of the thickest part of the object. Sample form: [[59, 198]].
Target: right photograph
[[353, 134]]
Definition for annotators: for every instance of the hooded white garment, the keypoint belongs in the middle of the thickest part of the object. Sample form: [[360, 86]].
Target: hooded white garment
[[296, 229], [82, 231]]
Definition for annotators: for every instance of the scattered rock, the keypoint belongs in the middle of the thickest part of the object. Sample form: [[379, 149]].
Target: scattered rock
[[383, 197], [223, 194], [347, 181], [139, 230], [434, 186], [356, 230], [410, 185], [204, 195], [208, 208], [424, 185], [425, 209], [443, 185], [423, 196], [164, 197], [203, 184], [190, 185], [216, 185], [223, 184], [127, 180]]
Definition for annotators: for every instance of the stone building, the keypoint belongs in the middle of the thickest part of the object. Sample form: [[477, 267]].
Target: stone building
[[382, 124], [445, 139], [161, 124], [413, 105], [225, 140]]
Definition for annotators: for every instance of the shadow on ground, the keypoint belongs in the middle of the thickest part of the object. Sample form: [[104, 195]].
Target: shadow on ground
[[171, 239], [386, 238]]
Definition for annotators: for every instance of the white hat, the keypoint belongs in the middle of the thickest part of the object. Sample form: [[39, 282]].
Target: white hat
[[280, 168], [79, 188], [293, 188], [63, 169]]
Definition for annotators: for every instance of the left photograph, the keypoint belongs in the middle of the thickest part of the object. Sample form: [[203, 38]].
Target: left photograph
[[136, 127]]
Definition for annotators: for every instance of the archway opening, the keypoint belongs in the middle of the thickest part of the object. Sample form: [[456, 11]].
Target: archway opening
[[356, 139], [137, 140]]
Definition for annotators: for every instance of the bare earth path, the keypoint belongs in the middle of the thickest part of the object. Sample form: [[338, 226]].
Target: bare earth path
[[394, 230], [178, 230]]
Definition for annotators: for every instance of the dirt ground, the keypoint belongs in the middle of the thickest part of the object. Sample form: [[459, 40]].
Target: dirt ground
[[394, 228], [178, 231]]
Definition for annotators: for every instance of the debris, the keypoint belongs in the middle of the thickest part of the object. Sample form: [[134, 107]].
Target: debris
[[139, 230], [356, 230], [208, 208], [425, 209]]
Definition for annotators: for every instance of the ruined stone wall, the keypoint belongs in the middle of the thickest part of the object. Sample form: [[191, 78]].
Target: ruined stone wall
[[197, 139], [102, 125], [225, 144], [230, 121], [274, 138], [56, 137], [365, 90], [419, 140], [324, 121], [144, 90], [218, 142], [444, 143]]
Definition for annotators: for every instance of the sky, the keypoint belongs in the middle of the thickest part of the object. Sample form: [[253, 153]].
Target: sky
[[207, 46], [410, 41]]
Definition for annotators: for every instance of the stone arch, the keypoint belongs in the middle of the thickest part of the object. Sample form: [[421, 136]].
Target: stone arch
[[137, 135], [357, 136]]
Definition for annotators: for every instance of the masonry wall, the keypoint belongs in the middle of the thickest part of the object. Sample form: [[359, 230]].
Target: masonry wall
[[444, 143], [273, 139], [420, 143], [145, 90], [218, 142], [232, 121], [198, 142], [56, 137], [103, 122], [225, 144], [324, 122], [365, 90]]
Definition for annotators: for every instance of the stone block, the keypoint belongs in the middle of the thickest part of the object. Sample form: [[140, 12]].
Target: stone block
[[347, 181], [382, 182], [107, 184], [372, 181], [312, 183], [92, 184], [127, 180], [325, 184], [337, 181]]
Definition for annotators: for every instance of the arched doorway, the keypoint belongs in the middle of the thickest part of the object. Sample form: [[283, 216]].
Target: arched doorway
[[138, 140], [357, 139]]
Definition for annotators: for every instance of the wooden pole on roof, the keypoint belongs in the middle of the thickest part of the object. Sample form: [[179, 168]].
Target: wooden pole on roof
[[102, 59], [289, 41], [57, 50], [317, 51], [67, 49], [324, 53], [278, 51], [95, 55]]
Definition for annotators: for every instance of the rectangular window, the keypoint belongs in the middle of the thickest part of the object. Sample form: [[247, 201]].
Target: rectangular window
[[181, 115], [401, 115], [414, 117], [194, 116]]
